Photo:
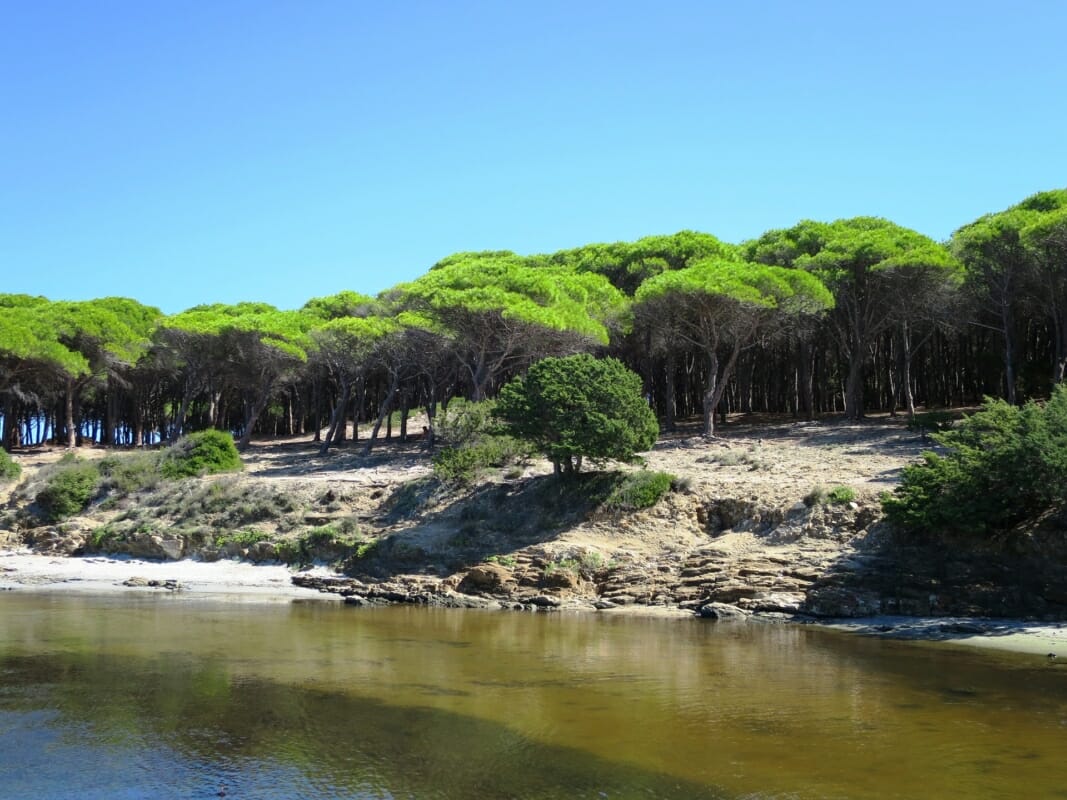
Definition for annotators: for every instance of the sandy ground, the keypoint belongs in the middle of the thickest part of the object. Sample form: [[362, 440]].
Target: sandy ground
[[21, 570], [1034, 638]]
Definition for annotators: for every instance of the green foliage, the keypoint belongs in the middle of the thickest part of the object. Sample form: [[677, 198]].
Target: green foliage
[[460, 291], [243, 538], [840, 495], [101, 538], [9, 468], [836, 495], [1003, 465], [932, 421], [475, 442], [579, 407], [639, 490], [68, 489], [463, 465], [464, 422], [202, 453], [126, 474]]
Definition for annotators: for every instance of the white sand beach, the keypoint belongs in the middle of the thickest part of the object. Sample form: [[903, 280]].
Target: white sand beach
[[23, 570]]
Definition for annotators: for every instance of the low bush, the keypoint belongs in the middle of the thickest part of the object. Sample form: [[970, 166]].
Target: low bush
[[245, 538], [69, 487], [465, 463], [202, 453], [840, 495], [932, 421], [466, 423], [1003, 465], [637, 490], [9, 468], [130, 473]]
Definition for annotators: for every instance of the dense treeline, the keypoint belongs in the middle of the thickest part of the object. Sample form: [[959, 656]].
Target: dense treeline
[[852, 315]]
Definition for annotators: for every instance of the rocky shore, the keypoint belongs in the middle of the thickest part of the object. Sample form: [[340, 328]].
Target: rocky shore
[[748, 533]]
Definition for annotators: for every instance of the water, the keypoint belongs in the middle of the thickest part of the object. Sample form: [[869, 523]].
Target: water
[[168, 698]]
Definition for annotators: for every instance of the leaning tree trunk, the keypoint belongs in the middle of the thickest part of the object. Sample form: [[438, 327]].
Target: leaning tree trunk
[[337, 418], [383, 410], [252, 411]]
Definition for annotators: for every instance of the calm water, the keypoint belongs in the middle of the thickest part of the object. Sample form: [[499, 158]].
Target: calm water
[[165, 698]]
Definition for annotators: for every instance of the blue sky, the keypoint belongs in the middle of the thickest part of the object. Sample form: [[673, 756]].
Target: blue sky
[[183, 153]]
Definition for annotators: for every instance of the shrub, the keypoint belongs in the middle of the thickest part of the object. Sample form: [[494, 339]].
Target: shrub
[[932, 421], [465, 422], [639, 490], [475, 441], [841, 495], [579, 407], [838, 495], [68, 489], [9, 468], [465, 463], [202, 453], [1003, 465], [130, 473], [245, 538]]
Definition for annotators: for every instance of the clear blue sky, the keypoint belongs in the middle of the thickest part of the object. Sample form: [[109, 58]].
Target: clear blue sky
[[182, 153]]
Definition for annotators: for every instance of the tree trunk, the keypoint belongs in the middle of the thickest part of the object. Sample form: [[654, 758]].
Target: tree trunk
[[712, 393], [68, 408], [854, 386], [336, 418], [805, 380], [252, 412], [7, 438], [909, 396], [382, 412], [110, 412], [1009, 350], [670, 369]]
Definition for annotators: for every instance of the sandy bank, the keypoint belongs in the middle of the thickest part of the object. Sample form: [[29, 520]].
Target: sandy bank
[[1017, 636], [22, 570]]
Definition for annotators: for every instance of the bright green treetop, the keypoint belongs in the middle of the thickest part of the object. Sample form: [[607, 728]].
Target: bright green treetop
[[720, 306], [877, 271], [499, 310]]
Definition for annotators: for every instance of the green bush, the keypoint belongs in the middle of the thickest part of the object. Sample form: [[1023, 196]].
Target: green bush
[[1002, 466], [932, 421], [245, 538], [465, 463], [202, 453], [639, 490], [465, 422], [579, 407], [69, 488], [9, 468], [841, 495], [131, 473]]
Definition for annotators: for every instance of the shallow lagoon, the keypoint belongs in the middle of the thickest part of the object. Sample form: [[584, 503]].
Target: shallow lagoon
[[160, 697]]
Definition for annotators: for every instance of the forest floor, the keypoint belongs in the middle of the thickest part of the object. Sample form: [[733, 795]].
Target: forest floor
[[741, 537]]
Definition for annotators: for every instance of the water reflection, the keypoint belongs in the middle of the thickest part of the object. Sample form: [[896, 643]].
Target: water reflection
[[403, 701]]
